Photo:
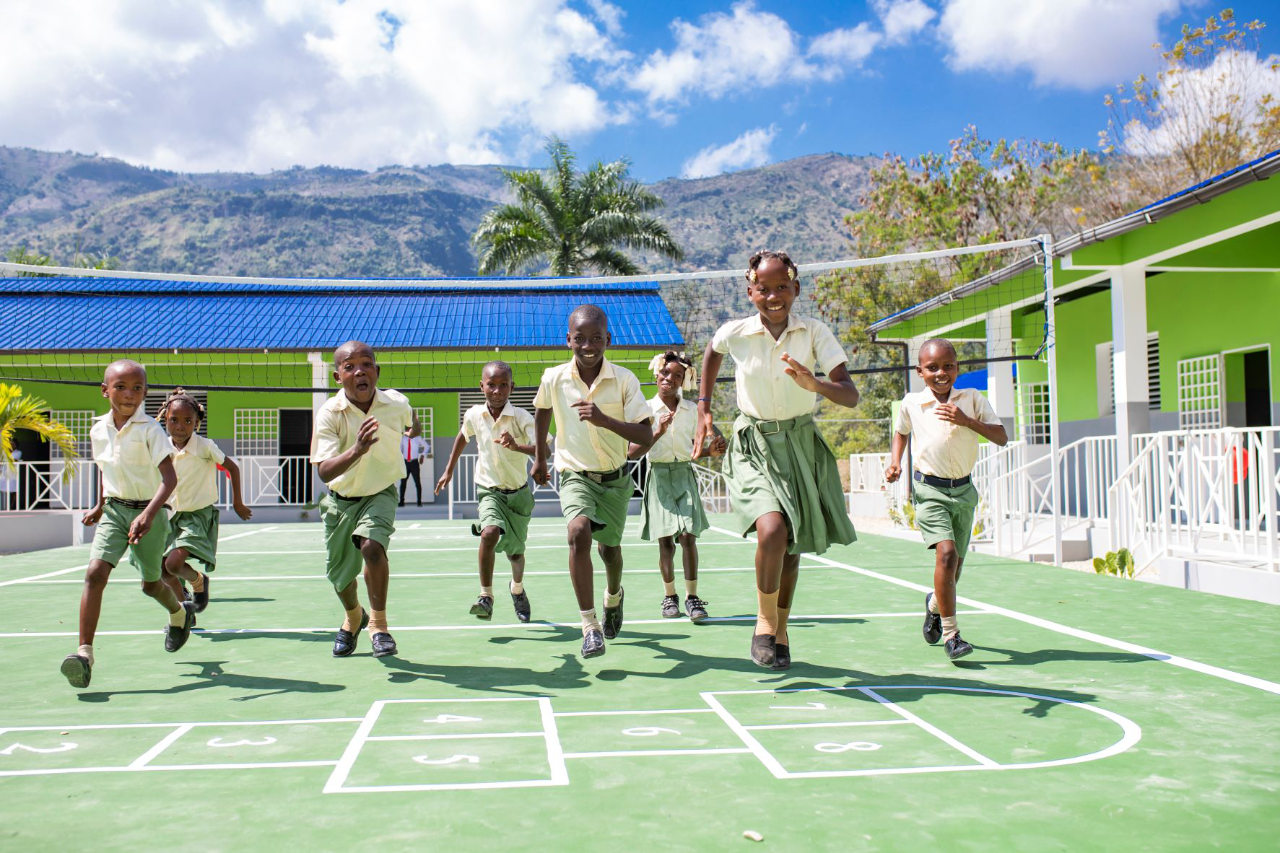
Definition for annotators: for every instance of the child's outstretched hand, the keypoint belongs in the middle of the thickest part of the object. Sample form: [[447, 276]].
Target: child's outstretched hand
[[539, 473], [951, 413], [719, 445], [664, 421], [243, 511], [90, 518], [802, 375], [507, 440], [892, 472], [590, 412], [368, 436], [700, 435], [443, 482]]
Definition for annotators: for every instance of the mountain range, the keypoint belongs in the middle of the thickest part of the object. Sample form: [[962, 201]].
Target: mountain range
[[394, 221]]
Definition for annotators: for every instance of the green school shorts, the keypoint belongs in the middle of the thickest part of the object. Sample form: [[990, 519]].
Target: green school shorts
[[195, 532], [112, 539], [369, 517], [508, 512], [944, 513], [604, 504]]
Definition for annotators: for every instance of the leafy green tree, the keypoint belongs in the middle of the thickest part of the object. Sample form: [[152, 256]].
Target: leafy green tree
[[571, 222], [23, 255], [21, 411]]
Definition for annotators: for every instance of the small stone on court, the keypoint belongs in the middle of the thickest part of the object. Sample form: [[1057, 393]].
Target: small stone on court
[[752, 835]]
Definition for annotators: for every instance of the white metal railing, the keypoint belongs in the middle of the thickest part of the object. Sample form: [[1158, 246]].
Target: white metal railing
[[271, 481], [1202, 494], [463, 490], [1089, 467]]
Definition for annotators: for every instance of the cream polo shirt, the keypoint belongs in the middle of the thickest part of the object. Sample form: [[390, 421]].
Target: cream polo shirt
[[128, 458], [765, 391], [338, 424], [676, 444], [940, 447], [197, 469], [496, 466], [581, 446]]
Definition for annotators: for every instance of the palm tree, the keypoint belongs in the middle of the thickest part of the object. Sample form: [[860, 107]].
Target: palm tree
[[572, 221], [19, 411]]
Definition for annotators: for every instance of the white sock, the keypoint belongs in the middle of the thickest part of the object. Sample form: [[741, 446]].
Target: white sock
[[668, 587], [516, 588], [86, 651], [486, 592], [611, 599], [933, 603], [589, 620], [949, 628], [179, 617]]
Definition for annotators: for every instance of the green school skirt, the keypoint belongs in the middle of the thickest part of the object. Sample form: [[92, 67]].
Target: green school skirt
[[787, 467], [944, 513], [111, 540], [604, 504], [368, 517], [195, 532], [672, 504], [508, 512]]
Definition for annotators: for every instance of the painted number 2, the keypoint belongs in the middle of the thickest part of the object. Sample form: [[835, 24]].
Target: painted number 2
[[66, 747], [453, 759]]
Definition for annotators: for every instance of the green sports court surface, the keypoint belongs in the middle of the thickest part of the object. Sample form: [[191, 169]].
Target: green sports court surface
[[1096, 713]]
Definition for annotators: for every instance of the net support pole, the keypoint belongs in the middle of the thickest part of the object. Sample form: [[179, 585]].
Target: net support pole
[[1055, 464], [319, 379]]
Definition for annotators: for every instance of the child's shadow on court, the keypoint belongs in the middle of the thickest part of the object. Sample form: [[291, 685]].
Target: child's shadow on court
[[211, 674], [1014, 657], [568, 675], [228, 634]]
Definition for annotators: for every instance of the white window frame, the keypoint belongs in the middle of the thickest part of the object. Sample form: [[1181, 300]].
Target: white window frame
[[79, 421], [1200, 392], [521, 398], [1033, 419], [256, 432], [155, 400], [427, 418]]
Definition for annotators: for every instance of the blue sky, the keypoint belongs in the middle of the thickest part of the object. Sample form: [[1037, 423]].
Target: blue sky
[[688, 88]]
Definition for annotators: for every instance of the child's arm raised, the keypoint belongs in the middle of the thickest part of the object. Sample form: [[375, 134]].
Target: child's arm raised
[[237, 499], [168, 482], [541, 426], [639, 433], [458, 443], [838, 387], [711, 361], [508, 441], [635, 451], [994, 433], [365, 440]]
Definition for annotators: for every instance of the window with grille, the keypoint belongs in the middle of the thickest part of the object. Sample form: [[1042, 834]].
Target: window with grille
[[521, 398], [1200, 392], [79, 421], [1106, 372], [257, 432], [1033, 412], [427, 417], [155, 399]]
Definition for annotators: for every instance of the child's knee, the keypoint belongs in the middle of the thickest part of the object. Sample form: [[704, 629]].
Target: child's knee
[[154, 588], [609, 553], [688, 540], [580, 534], [948, 555], [97, 575], [372, 552], [667, 544], [771, 530], [175, 560], [490, 535]]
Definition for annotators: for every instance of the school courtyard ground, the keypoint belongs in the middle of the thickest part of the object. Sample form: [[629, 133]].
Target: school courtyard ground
[[1096, 713]]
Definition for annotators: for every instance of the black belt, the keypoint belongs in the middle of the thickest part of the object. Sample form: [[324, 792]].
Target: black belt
[[604, 476], [941, 482], [508, 491], [345, 498], [133, 504]]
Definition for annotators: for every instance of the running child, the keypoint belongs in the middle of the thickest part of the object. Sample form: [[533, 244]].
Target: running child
[[356, 451], [598, 409], [135, 478], [504, 441], [672, 510], [193, 524], [782, 477], [946, 423]]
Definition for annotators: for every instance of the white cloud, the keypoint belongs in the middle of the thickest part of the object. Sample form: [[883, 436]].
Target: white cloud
[[850, 46], [1079, 44], [902, 18], [223, 84], [749, 149]]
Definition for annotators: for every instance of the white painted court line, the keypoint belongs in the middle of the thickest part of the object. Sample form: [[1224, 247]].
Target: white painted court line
[[827, 725], [34, 578], [754, 746], [58, 771], [222, 539], [634, 713], [172, 725], [479, 736], [471, 549], [145, 759], [733, 750], [478, 626], [1122, 645], [930, 728]]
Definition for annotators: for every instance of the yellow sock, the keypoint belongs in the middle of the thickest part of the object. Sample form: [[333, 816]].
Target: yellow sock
[[767, 618], [197, 585], [86, 651], [668, 587], [178, 618], [378, 622], [691, 587], [783, 613], [354, 617]]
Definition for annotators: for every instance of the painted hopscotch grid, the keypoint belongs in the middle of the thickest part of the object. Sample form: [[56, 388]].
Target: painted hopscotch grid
[[864, 730], [448, 735]]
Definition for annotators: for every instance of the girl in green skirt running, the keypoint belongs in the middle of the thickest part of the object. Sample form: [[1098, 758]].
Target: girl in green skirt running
[[782, 477]]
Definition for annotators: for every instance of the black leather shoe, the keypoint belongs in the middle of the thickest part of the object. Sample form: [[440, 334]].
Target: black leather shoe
[[958, 648], [383, 645], [763, 649], [78, 670], [696, 608], [781, 656], [201, 599], [671, 607], [520, 601], [932, 623], [613, 617], [345, 642], [483, 608], [176, 637], [592, 644]]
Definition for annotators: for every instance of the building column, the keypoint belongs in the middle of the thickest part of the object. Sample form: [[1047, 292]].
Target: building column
[[1000, 373], [320, 379], [1129, 346]]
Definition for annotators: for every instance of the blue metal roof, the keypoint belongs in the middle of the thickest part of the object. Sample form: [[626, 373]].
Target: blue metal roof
[[1195, 188], [129, 314]]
